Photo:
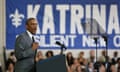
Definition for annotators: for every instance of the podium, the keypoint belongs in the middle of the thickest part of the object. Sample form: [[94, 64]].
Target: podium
[[53, 64]]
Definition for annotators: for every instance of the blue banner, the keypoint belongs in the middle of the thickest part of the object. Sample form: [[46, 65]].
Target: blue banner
[[78, 24]]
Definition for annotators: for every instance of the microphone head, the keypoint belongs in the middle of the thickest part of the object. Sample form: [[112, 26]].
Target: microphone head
[[62, 45], [104, 37], [58, 43]]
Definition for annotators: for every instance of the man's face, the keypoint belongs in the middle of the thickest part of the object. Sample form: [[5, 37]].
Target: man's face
[[32, 26]]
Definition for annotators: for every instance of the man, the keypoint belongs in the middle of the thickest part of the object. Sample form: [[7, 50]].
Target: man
[[115, 57], [25, 48]]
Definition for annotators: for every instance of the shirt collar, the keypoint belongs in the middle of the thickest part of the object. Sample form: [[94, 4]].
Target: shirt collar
[[30, 35]]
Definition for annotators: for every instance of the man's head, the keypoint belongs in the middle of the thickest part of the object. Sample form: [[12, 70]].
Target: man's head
[[115, 54], [31, 25]]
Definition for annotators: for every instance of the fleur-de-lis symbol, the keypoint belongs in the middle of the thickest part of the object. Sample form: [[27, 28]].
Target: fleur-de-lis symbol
[[16, 18]]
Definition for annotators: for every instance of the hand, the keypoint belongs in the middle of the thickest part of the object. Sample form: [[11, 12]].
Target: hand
[[35, 45]]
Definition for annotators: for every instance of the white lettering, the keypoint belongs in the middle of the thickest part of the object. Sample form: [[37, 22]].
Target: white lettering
[[48, 20], [32, 12], [77, 13], [116, 41], [113, 23], [87, 41], [62, 9], [100, 16]]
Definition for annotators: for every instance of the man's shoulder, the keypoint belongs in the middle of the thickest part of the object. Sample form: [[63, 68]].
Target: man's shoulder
[[22, 35]]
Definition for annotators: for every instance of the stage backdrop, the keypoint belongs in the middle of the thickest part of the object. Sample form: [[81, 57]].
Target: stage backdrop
[[75, 23]]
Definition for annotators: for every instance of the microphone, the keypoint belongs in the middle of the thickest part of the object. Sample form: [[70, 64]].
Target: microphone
[[104, 37], [62, 45]]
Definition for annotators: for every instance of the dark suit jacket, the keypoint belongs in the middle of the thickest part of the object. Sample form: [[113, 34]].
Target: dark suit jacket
[[24, 53], [114, 61]]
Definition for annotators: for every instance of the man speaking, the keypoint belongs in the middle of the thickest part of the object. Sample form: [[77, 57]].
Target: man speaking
[[25, 48]]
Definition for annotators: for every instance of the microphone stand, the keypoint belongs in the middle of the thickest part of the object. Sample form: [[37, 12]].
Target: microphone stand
[[97, 64], [62, 49], [96, 46], [61, 52], [106, 57]]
